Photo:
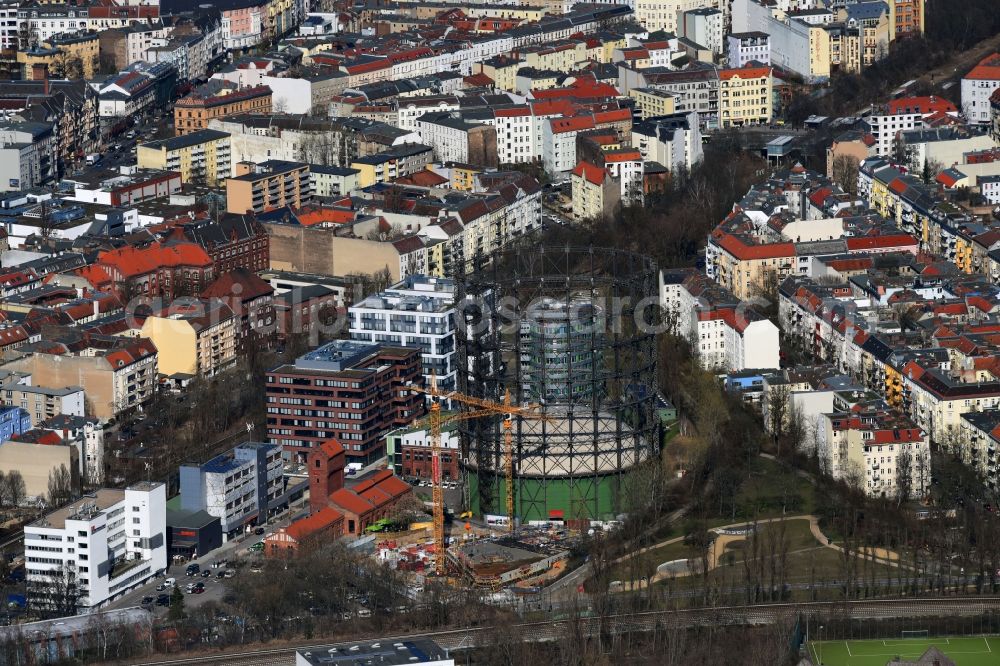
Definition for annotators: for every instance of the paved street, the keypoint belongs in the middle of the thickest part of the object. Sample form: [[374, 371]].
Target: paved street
[[214, 588]]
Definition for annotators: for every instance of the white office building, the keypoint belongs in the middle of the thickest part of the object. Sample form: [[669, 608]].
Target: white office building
[[417, 312], [703, 26], [977, 87], [746, 47], [97, 548], [236, 486]]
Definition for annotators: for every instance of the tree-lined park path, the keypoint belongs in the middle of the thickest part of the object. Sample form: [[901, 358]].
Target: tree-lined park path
[[734, 532]]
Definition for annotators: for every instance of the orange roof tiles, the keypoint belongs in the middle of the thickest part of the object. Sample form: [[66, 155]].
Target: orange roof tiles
[[736, 247], [988, 69], [351, 502], [132, 261], [878, 242], [575, 124], [324, 518], [424, 178], [623, 156], [612, 116], [308, 217], [745, 73], [920, 105], [590, 172]]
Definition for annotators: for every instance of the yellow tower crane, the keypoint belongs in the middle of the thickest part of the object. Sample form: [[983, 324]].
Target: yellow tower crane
[[482, 408]]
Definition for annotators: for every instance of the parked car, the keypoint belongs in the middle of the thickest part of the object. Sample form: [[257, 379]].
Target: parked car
[[170, 582], [147, 601], [206, 573], [364, 612], [258, 531], [256, 547], [220, 575], [230, 573], [163, 600], [192, 569]]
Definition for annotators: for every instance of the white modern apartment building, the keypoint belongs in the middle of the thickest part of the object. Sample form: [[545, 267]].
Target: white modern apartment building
[[703, 26], [673, 140], [866, 449], [518, 135], [745, 47], [93, 550], [9, 25], [725, 334], [447, 134], [977, 86], [417, 312], [886, 127]]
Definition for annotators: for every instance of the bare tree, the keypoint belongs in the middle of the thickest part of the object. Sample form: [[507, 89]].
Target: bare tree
[[845, 173], [904, 477], [15, 489], [60, 486], [55, 594]]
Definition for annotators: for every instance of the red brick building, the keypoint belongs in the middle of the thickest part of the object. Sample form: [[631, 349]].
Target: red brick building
[[166, 270], [233, 241], [327, 523], [252, 300], [351, 391], [367, 502], [326, 472], [305, 309]]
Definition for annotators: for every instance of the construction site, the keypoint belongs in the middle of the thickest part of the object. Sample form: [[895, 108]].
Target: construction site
[[531, 557], [561, 332]]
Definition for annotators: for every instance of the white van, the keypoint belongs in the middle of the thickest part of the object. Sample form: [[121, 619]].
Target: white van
[[170, 582]]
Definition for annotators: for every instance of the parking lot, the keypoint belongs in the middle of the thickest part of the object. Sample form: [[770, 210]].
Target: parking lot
[[234, 553]]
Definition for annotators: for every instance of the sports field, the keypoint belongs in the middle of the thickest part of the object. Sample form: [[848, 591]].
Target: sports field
[[964, 651]]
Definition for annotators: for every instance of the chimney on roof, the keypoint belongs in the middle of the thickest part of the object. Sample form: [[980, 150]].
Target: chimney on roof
[[40, 72]]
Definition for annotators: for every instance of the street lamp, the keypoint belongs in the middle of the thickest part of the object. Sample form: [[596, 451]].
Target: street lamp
[[820, 644]]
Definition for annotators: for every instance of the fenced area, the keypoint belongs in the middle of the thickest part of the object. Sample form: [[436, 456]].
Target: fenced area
[[963, 650]]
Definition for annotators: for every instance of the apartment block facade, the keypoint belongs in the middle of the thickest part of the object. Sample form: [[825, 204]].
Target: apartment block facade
[[352, 391]]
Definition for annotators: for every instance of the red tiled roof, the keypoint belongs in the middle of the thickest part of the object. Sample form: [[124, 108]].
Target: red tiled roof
[[582, 88], [736, 247], [552, 107], [332, 448], [479, 79], [876, 242], [424, 178], [239, 283], [901, 435], [744, 73], [612, 116], [308, 217], [820, 195], [920, 105], [362, 67], [988, 69], [350, 501], [132, 261], [946, 178], [512, 113], [575, 124], [321, 520], [623, 156], [590, 172]]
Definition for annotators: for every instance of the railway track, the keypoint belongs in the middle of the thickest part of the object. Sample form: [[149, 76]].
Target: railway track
[[551, 630]]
